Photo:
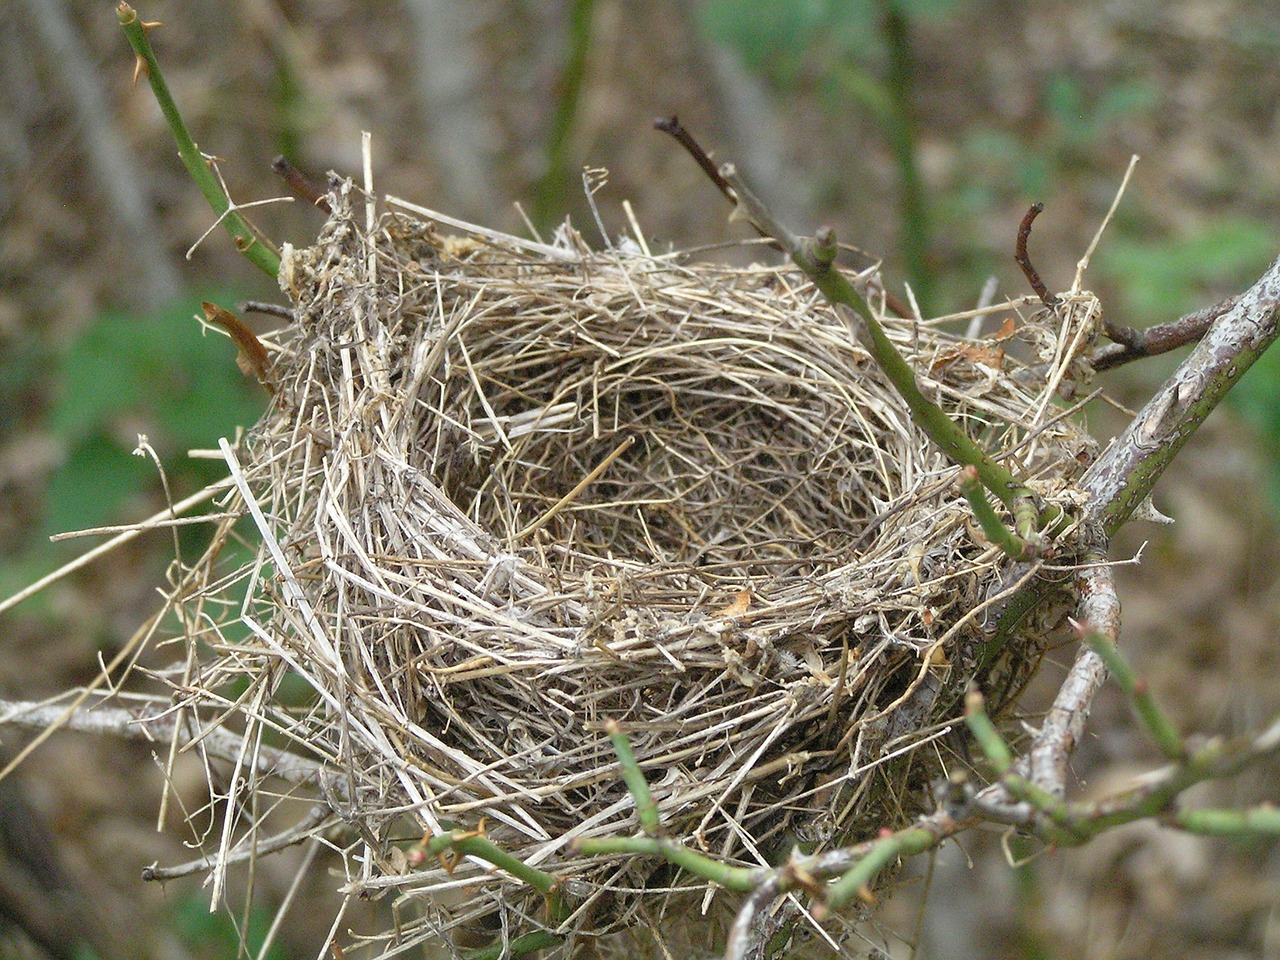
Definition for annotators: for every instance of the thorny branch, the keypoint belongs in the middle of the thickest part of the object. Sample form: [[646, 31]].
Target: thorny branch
[[1031, 793]]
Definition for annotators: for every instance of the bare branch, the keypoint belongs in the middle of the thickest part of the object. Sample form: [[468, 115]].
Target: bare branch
[[302, 830], [1131, 344], [147, 722]]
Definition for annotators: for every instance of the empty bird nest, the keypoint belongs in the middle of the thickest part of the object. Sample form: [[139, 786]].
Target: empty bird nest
[[509, 490]]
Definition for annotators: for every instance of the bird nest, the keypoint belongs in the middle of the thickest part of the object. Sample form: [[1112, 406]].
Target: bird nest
[[508, 491]]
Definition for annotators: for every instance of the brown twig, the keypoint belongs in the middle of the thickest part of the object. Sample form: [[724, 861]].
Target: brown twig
[[263, 307], [1130, 344], [1024, 261], [682, 136], [672, 126], [304, 829], [301, 184]]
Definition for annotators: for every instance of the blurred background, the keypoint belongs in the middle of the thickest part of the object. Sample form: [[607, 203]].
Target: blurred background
[[920, 129]]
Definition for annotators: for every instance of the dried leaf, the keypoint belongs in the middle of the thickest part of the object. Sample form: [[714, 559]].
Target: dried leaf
[[252, 356], [741, 603]]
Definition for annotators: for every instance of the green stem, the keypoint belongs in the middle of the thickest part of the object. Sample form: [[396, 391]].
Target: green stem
[[992, 528], [740, 879], [904, 843], [1240, 824], [469, 844], [549, 200], [633, 777], [816, 258], [1161, 728], [246, 240], [475, 844], [984, 732], [914, 242], [519, 947]]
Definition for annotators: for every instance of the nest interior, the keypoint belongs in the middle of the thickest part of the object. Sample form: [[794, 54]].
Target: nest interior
[[517, 489]]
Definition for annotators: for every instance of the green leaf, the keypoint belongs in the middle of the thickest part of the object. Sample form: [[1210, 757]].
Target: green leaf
[[216, 936], [95, 481], [160, 374]]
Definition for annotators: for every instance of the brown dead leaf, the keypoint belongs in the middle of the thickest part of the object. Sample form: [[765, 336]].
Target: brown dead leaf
[[975, 353], [251, 356], [741, 603]]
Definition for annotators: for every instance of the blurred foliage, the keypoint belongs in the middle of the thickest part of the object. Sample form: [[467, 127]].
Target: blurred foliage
[[854, 56], [1158, 280], [834, 39], [837, 48], [217, 936], [159, 374]]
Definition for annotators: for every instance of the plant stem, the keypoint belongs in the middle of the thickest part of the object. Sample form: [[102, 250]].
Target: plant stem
[[549, 200], [816, 258], [741, 879], [472, 845], [914, 241], [519, 947], [1161, 728], [904, 843], [633, 777], [246, 240], [992, 528], [1250, 823]]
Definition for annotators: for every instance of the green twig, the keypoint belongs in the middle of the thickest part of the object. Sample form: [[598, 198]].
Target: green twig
[[985, 733], [904, 843], [740, 879], [633, 777], [475, 844], [992, 527], [914, 241], [1001, 758], [1251, 822], [549, 199], [1161, 728], [247, 241], [816, 258], [521, 946]]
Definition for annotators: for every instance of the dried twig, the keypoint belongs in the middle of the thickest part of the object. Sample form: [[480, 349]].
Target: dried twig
[[301, 184], [1131, 344], [1024, 261]]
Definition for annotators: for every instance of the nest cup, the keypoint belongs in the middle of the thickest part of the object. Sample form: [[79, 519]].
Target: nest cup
[[524, 488]]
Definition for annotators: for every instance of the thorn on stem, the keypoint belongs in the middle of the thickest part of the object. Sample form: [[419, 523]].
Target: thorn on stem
[[1024, 261]]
